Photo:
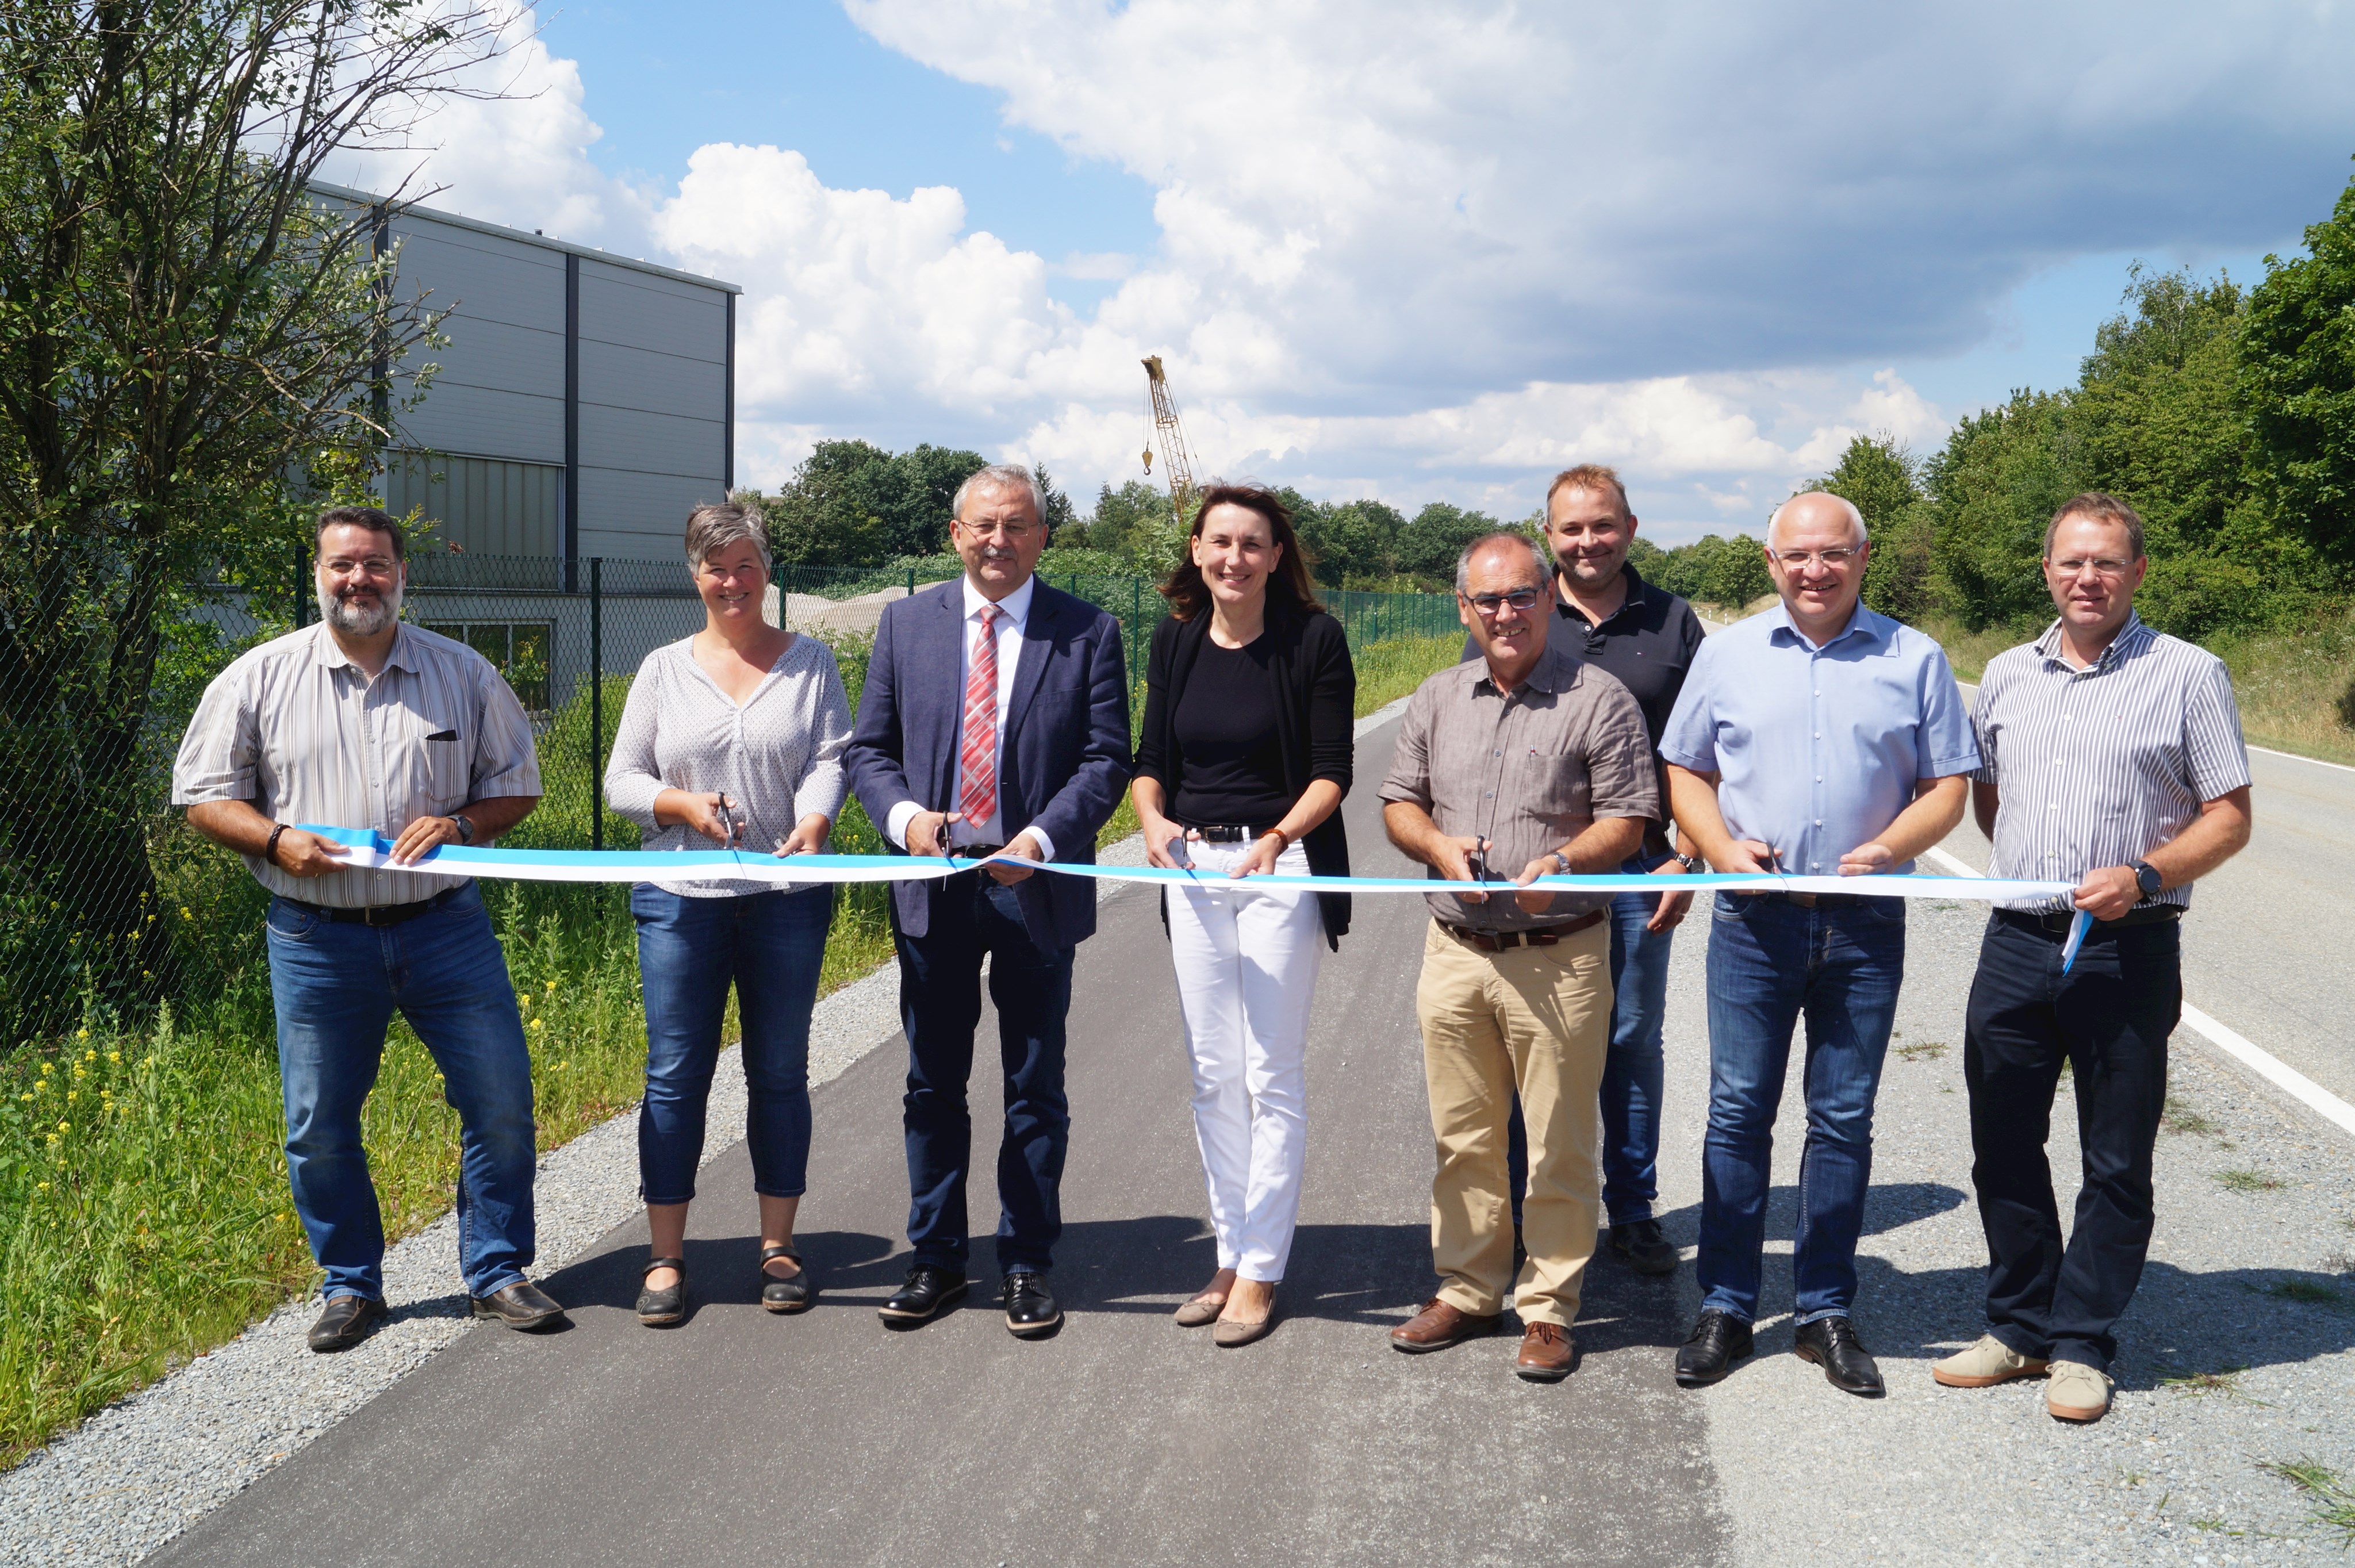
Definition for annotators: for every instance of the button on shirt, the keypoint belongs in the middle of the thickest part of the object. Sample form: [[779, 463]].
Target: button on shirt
[[1013, 611], [1531, 770], [1818, 749], [296, 728], [2099, 766]]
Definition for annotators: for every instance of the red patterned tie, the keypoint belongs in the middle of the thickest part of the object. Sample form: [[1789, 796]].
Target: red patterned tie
[[978, 758]]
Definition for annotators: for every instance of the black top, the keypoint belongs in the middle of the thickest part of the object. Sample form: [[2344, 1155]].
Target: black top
[[1648, 643], [1312, 687], [1230, 767]]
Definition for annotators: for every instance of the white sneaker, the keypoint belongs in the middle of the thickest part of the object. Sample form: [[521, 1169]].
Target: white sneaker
[[2077, 1393], [1985, 1364]]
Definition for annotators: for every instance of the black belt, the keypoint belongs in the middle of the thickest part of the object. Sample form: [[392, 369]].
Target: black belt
[[1228, 832], [1809, 901], [2056, 923], [1537, 937], [377, 914]]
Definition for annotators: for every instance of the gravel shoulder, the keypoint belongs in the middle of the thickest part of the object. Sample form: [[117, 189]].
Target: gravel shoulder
[[2255, 1275]]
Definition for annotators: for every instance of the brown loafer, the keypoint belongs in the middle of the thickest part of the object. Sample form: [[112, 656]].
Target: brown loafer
[[1438, 1326], [521, 1305], [1545, 1354], [1200, 1310]]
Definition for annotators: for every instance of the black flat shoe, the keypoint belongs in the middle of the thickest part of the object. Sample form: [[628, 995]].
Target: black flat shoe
[[1030, 1309], [1646, 1251], [661, 1309], [1718, 1342], [930, 1291], [792, 1294], [347, 1320], [522, 1304], [1831, 1343]]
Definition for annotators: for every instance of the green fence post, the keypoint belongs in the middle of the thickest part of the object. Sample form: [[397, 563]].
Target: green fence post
[[301, 600], [912, 582], [596, 700]]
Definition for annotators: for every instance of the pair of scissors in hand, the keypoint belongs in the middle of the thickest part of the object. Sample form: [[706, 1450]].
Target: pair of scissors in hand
[[728, 818]]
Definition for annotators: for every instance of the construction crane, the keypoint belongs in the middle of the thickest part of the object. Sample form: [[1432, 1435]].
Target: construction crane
[[1162, 427]]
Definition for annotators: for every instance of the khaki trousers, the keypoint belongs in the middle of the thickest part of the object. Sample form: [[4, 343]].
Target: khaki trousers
[[1537, 1018]]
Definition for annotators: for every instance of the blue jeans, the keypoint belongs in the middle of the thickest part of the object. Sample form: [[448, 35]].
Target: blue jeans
[[335, 985], [771, 946], [940, 1006], [1632, 1073], [1770, 961]]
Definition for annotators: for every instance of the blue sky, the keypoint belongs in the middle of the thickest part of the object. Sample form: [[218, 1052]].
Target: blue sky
[[1415, 249]]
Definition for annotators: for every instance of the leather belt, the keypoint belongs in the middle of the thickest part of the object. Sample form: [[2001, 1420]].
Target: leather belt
[[2055, 923], [1505, 941], [377, 915], [1807, 900], [974, 851], [1226, 832]]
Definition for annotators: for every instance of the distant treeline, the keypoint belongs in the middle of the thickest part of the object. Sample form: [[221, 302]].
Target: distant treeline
[[2224, 414]]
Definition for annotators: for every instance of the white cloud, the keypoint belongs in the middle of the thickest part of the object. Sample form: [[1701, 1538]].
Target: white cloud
[[1423, 248]]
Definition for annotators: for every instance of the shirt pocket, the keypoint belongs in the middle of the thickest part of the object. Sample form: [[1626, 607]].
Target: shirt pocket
[[447, 773], [1551, 784]]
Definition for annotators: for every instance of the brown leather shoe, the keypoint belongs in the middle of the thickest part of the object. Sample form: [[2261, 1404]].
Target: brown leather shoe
[[1545, 1353], [1438, 1326]]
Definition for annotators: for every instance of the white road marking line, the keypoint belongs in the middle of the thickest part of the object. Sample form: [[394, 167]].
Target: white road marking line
[[2232, 1042], [2295, 757]]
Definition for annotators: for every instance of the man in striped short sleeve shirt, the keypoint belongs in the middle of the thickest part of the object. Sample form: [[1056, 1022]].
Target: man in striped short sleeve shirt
[[362, 722], [2110, 754]]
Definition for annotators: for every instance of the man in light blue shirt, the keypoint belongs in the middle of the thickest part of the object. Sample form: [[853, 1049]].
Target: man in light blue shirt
[[1818, 739]]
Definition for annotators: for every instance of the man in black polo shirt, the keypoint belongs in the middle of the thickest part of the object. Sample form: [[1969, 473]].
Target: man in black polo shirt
[[1646, 637]]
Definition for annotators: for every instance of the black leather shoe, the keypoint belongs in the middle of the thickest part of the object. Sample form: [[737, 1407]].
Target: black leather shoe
[[1030, 1309], [664, 1308], [1831, 1343], [930, 1291], [794, 1293], [347, 1320], [1718, 1342], [1646, 1251], [522, 1304]]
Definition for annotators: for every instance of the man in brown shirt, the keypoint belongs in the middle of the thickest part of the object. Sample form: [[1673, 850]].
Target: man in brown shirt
[[1527, 764]]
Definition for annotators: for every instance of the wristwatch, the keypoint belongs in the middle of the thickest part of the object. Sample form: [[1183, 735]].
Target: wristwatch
[[466, 826], [1687, 861], [2147, 878], [1561, 863]]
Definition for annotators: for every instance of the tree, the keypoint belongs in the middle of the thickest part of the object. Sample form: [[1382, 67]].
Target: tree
[[191, 344], [2298, 383], [1353, 541], [1427, 547], [1058, 506], [1993, 488], [1128, 519]]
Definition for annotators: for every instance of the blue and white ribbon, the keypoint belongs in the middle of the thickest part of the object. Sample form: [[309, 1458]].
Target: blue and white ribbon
[[372, 851]]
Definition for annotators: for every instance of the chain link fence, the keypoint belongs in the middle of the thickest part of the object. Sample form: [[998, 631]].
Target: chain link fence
[[110, 903]]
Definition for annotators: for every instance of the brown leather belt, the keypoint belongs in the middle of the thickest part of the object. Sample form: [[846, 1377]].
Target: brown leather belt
[[377, 915], [974, 851], [1504, 941]]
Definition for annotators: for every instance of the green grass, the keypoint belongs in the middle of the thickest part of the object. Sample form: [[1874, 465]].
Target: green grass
[[2246, 1180], [143, 1209], [2224, 1383], [1922, 1050], [2182, 1118], [2330, 1499]]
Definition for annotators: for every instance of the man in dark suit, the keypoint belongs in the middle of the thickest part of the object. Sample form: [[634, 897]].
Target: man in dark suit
[[995, 716]]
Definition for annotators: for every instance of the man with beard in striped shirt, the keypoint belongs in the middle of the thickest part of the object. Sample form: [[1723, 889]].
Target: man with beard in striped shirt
[[362, 722], [2112, 754]]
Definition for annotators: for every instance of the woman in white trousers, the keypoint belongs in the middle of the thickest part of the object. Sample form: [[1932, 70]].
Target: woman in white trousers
[[1244, 759]]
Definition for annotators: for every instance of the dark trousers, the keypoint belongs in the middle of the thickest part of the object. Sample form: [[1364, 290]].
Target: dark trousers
[[2109, 1018], [940, 1006]]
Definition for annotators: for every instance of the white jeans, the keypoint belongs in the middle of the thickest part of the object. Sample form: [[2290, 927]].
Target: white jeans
[[1246, 967]]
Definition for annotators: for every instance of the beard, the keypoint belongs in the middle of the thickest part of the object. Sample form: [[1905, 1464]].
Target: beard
[[360, 619]]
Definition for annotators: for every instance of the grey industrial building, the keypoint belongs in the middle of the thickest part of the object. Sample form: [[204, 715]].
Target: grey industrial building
[[583, 403]]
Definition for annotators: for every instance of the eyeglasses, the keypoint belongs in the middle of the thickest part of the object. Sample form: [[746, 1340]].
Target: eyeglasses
[[1523, 599], [1835, 558], [2103, 567], [373, 566], [1013, 533]]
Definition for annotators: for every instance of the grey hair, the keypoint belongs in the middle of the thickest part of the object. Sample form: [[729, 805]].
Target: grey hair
[[1540, 563], [716, 525], [1855, 518], [1002, 476]]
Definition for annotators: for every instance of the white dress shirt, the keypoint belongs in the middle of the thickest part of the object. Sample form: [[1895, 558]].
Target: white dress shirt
[[1013, 611]]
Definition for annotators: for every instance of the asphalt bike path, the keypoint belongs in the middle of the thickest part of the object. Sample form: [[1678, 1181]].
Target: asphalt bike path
[[826, 1437]]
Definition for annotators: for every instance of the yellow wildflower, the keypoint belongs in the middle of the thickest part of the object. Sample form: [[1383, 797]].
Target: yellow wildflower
[[184, 914], [71, 1095], [65, 1126], [81, 1034], [41, 1187], [53, 1140], [45, 1070], [539, 1023], [91, 1055], [114, 1056]]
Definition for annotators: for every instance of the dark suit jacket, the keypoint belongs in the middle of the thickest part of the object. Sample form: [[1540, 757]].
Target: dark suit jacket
[[1062, 761], [1315, 703]]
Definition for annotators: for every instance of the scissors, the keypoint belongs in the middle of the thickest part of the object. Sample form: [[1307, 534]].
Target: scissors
[[1476, 857], [728, 816]]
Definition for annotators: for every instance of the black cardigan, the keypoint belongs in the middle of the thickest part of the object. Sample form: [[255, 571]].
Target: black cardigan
[[1315, 705]]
